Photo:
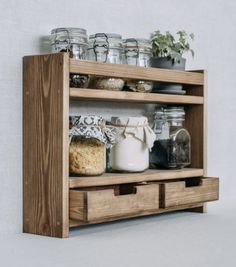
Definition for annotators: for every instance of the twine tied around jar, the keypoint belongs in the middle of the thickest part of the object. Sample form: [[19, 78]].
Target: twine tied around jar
[[138, 127]]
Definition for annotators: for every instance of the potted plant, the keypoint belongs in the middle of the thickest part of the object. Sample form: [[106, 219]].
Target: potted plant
[[167, 52]]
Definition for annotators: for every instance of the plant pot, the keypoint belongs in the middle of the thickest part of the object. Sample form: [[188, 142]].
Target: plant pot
[[167, 63]]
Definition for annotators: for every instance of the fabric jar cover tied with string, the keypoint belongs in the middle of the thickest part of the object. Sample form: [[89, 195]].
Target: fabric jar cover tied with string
[[135, 139]]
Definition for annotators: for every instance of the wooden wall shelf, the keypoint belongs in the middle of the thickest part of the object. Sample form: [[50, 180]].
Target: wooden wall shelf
[[123, 178], [121, 96], [55, 202]]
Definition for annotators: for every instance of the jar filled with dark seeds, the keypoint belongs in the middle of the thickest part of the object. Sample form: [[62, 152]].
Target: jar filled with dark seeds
[[172, 148], [137, 52], [75, 42]]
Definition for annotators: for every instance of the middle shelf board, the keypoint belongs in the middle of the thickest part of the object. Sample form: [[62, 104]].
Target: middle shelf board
[[122, 96], [124, 178]]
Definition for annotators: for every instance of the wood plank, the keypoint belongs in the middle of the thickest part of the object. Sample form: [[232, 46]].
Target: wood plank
[[194, 123], [188, 207], [133, 72], [104, 204], [122, 96], [177, 193], [124, 178], [45, 145], [205, 129]]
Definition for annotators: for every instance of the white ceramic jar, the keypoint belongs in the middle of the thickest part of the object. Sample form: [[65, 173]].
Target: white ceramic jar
[[131, 152]]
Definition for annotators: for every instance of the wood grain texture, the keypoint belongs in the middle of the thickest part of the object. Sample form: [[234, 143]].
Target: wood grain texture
[[45, 144], [104, 204], [205, 129], [176, 193], [188, 207], [194, 123], [122, 96], [133, 72], [125, 178]]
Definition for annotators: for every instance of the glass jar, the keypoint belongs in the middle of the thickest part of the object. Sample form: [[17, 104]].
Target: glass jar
[[87, 152], [74, 41], [106, 47], [137, 52], [172, 148], [131, 152]]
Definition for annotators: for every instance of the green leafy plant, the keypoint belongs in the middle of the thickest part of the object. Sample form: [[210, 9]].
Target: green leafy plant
[[166, 45]]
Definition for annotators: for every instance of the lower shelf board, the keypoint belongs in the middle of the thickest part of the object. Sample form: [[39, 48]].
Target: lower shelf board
[[197, 207], [125, 178]]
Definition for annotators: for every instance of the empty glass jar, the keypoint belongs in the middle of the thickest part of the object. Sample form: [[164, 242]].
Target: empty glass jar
[[172, 148], [106, 47], [137, 52], [74, 41]]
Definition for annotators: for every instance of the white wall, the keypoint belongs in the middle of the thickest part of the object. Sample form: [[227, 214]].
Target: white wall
[[24, 22]]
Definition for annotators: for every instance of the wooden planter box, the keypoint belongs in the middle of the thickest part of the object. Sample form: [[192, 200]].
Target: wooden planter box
[[53, 201]]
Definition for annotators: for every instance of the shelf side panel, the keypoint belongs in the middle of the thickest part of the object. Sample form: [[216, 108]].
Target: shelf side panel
[[45, 144], [194, 123]]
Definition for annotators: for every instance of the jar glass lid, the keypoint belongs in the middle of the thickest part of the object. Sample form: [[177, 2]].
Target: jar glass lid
[[170, 113], [137, 43], [111, 40], [70, 35]]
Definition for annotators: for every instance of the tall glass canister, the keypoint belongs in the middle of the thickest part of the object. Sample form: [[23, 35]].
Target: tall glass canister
[[137, 52], [74, 41], [172, 148], [107, 48]]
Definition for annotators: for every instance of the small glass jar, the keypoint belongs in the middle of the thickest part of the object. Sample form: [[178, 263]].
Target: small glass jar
[[172, 148], [74, 41], [87, 151], [137, 52], [131, 152], [106, 47]]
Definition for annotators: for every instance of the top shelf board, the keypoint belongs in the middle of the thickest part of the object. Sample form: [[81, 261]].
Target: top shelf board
[[137, 73]]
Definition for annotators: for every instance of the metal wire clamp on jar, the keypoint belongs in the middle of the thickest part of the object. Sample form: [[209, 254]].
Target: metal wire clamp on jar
[[75, 42], [137, 52], [172, 148], [88, 139], [107, 48]]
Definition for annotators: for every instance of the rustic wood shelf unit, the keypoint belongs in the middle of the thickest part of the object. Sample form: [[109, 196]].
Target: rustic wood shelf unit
[[55, 202]]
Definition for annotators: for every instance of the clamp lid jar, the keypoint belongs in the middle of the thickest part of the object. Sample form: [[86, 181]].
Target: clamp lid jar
[[107, 48], [137, 52], [172, 148], [73, 40]]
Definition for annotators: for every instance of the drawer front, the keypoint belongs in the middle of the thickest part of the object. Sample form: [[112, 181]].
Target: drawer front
[[104, 204], [177, 193]]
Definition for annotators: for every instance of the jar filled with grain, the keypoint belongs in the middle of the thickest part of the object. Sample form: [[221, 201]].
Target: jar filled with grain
[[88, 139], [75, 42], [172, 148], [137, 52], [131, 151], [106, 47]]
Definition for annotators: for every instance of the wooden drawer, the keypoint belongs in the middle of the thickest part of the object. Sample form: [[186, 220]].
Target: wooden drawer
[[180, 193], [104, 204]]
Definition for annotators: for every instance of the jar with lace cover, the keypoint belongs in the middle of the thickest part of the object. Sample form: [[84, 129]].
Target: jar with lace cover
[[87, 151]]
